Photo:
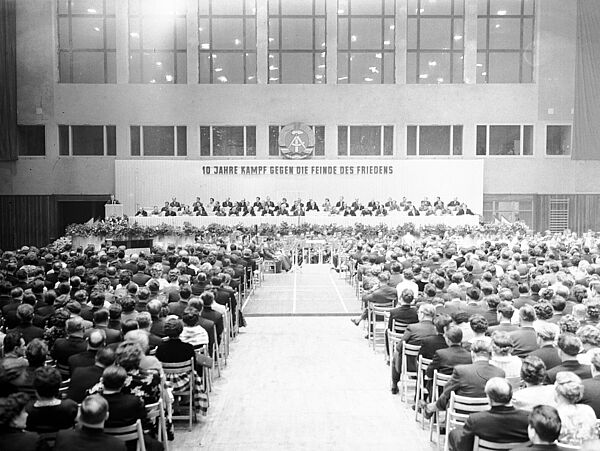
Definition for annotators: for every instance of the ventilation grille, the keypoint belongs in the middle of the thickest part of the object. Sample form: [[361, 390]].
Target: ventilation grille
[[559, 215]]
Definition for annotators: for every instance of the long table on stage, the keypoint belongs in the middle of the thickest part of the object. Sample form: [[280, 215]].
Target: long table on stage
[[319, 219]]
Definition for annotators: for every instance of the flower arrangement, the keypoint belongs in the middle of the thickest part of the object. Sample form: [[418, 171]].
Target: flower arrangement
[[121, 228]]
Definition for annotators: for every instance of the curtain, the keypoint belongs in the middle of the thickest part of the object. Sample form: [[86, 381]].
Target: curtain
[[586, 130], [8, 81]]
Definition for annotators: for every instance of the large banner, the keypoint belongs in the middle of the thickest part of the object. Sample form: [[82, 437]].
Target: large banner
[[146, 183]]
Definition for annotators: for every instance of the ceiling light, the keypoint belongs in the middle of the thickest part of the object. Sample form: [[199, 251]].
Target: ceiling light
[[323, 54], [218, 69], [237, 41], [318, 76], [200, 29], [378, 55], [353, 38], [273, 79], [424, 76], [340, 11], [321, 66], [368, 79], [153, 81], [374, 70], [222, 78], [457, 37], [432, 63], [271, 39], [440, 80], [392, 27], [479, 65], [169, 77], [205, 46], [322, 44], [134, 35], [342, 78], [158, 63], [497, 25], [271, 67], [387, 42], [271, 56], [484, 73], [96, 28], [91, 11], [251, 77], [501, 12]]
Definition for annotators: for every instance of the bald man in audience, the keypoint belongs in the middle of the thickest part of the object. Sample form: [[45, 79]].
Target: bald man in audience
[[90, 436], [95, 341], [547, 352], [525, 337], [485, 424]]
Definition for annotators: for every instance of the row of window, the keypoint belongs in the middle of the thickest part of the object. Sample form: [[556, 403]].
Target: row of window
[[297, 41], [240, 141]]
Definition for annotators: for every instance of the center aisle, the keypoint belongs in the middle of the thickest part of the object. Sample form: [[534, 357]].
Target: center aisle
[[295, 383]]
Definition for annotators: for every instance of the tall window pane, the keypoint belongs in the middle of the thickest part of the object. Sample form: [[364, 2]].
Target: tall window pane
[[366, 33], [297, 47], [158, 140], [227, 48], [87, 140], [366, 140], [434, 140], [505, 41], [86, 41], [227, 141], [435, 36], [157, 41], [510, 140], [558, 140]]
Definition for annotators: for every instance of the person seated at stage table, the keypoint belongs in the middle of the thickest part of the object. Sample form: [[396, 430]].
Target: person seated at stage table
[[155, 211], [174, 203], [326, 205], [141, 212], [464, 210], [311, 205], [165, 210], [411, 210], [438, 204], [112, 200]]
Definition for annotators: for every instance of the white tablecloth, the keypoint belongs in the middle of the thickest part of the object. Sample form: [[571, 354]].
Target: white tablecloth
[[390, 220]]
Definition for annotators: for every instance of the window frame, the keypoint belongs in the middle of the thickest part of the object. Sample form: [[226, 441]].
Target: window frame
[[314, 51], [546, 154], [521, 141], [21, 156], [212, 155], [382, 142], [349, 51], [174, 52], [104, 141], [452, 17], [244, 51], [451, 153], [175, 144], [521, 51], [70, 51]]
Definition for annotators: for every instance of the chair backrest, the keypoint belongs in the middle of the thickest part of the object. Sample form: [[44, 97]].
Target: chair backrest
[[423, 363], [399, 327], [186, 366], [411, 350], [127, 433], [460, 407], [485, 445]]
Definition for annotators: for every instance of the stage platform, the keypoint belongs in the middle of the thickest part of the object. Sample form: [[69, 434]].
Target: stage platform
[[392, 220]]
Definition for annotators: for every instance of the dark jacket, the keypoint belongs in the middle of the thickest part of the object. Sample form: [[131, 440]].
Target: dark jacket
[[66, 347], [525, 340], [404, 314], [469, 380], [444, 360], [430, 345], [12, 439], [87, 439], [82, 379], [485, 425], [549, 355], [591, 394], [583, 371]]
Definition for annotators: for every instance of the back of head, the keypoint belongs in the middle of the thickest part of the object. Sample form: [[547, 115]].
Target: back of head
[[569, 344], [144, 320], [478, 324], [207, 298], [505, 309], [454, 335], [498, 390], [128, 325], [154, 307], [502, 343], [441, 322], [113, 377], [105, 357], [407, 296], [533, 370], [47, 382], [36, 352], [545, 421], [74, 325], [93, 411], [481, 348], [527, 314], [96, 339], [173, 327], [185, 292], [569, 386], [190, 317]]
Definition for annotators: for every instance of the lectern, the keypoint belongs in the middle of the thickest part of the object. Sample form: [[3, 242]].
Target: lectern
[[112, 210]]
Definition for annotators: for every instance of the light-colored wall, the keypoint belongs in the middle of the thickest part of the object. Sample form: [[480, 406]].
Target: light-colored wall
[[262, 105]]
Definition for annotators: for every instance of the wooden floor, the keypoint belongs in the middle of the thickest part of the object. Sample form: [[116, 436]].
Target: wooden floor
[[304, 383]]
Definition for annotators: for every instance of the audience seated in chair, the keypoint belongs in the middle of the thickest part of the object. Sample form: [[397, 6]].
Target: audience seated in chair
[[543, 429], [13, 417], [502, 423], [84, 378]]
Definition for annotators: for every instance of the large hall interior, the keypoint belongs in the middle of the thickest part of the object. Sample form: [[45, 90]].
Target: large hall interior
[[300, 224]]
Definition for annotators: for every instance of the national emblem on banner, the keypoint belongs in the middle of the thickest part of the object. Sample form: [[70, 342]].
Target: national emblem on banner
[[296, 141]]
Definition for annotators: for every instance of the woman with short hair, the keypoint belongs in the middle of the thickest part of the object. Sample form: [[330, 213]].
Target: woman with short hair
[[578, 420]]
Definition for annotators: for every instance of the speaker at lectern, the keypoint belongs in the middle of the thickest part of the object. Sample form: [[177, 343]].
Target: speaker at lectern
[[113, 210]]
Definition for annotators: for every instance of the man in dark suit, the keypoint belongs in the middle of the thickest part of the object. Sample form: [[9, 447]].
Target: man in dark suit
[[66, 347], [385, 294], [101, 323], [140, 277], [158, 323], [514, 422], [568, 348], [543, 429], [505, 313], [444, 360], [591, 387], [208, 313], [84, 378], [25, 314], [95, 340], [491, 314], [414, 335], [547, 351], [429, 345], [468, 380], [404, 313], [93, 412], [525, 337]]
